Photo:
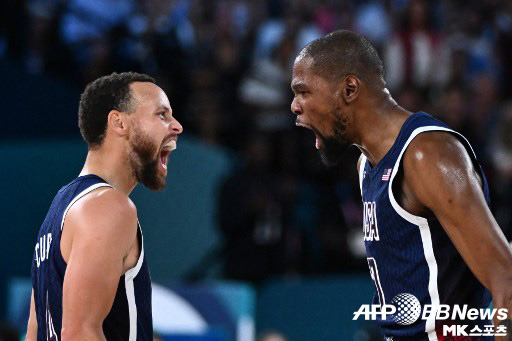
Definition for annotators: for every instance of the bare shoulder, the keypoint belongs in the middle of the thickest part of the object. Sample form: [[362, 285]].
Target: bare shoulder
[[437, 149], [437, 169], [105, 210]]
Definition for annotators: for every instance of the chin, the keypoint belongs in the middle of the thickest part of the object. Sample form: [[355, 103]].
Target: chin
[[155, 186], [153, 179]]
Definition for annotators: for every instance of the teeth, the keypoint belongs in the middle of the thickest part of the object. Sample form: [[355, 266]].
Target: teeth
[[171, 144]]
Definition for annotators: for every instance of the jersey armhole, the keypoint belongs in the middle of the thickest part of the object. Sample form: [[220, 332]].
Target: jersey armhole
[[414, 219], [132, 272]]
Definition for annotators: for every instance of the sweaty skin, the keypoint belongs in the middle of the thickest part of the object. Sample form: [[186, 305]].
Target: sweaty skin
[[438, 177], [451, 190]]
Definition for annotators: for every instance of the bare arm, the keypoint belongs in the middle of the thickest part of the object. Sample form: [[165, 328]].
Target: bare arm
[[32, 321], [451, 189], [103, 228]]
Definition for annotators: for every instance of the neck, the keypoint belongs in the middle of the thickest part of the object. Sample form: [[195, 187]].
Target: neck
[[379, 125], [111, 166]]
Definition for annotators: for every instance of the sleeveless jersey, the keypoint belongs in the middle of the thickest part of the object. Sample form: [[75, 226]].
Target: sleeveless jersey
[[130, 315], [411, 255]]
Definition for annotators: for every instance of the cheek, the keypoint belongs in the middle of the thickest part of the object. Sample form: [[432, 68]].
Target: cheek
[[320, 116]]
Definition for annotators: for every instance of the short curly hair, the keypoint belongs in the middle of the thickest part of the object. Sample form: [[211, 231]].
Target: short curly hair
[[106, 93]]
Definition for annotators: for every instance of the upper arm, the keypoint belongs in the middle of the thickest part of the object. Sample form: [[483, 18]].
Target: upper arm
[[440, 174], [103, 226], [32, 321]]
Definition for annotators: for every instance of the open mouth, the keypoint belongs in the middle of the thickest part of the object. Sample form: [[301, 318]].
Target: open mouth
[[318, 140], [166, 151]]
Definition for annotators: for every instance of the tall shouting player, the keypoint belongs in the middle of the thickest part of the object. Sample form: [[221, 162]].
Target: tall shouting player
[[90, 280], [429, 232]]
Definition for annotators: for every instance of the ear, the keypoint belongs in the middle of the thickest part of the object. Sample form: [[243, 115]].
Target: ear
[[350, 88], [117, 122]]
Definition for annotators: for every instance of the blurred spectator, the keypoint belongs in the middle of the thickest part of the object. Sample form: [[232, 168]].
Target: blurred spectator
[[409, 56], [483, 114], [89, 27], [410, 97], [43, 26], [227, 67], [453, 107], [266, 89], [372, 21], [250, 217]]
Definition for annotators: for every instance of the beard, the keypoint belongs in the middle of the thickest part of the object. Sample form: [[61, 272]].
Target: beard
[[144, 160], [334, 147]]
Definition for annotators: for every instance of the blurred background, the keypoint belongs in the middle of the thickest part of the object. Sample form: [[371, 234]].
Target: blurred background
[[253, 239]]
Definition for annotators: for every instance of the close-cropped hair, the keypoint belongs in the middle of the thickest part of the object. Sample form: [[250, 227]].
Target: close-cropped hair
[[342, 53]]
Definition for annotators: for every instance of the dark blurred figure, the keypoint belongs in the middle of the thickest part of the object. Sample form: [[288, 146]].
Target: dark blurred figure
[[411, 55], [503, 23], [42, 41], [12, 28], [250, 217], [8, 333], [90, 30], [483, 114], [453, 107]]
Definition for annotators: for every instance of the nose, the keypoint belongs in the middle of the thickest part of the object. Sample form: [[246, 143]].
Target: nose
[[175, 127], [295, 107]]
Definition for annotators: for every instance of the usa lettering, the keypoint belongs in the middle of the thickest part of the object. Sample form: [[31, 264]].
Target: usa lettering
[[43, 248], [371, 231]]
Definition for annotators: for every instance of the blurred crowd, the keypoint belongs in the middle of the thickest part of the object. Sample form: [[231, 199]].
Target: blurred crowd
[[226, 65]]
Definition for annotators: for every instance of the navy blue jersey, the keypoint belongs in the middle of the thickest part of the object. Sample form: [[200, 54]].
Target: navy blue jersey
[[408, 254], [130, 316]]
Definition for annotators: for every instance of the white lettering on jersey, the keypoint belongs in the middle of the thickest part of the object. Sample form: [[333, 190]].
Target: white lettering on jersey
[[43, 248], [371, 231], [51, 335]]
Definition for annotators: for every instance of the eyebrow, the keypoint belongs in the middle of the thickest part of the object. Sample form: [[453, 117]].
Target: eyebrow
[[164, 108], [298, 86]]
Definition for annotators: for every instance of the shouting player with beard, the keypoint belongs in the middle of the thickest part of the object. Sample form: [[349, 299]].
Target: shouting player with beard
[[90, 279], [428, 230]]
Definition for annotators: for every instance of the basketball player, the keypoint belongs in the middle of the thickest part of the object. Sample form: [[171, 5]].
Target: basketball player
[[90, 279], [428, 230]]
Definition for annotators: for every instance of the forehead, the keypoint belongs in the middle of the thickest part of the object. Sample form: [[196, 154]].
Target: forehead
[[302, 66], [304, 76], [148, 94]]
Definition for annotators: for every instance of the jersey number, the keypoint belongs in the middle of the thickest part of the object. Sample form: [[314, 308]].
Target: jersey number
[[374, 272]]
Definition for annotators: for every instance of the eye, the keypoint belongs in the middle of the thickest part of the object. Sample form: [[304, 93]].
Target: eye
[[162, 115]]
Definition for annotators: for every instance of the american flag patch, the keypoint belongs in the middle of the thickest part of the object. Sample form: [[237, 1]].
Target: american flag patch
[[387, 174]]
